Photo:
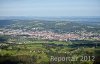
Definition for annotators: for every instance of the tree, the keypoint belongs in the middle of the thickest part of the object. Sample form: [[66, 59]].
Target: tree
[[3, 39]]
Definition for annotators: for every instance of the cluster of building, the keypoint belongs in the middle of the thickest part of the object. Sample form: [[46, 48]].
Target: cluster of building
[[51, 35]]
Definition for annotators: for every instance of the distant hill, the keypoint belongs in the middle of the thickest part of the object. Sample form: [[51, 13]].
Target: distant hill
[[60, 26], [65, 18]]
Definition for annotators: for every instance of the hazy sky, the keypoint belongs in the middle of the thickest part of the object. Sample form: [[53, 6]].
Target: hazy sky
[[49, 7]]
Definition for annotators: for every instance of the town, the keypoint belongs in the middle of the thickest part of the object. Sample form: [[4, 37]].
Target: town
[[48, 35]]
